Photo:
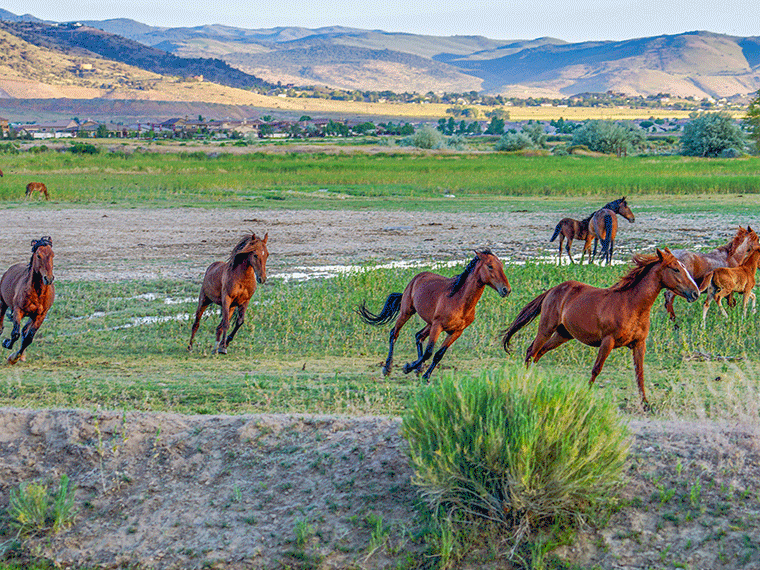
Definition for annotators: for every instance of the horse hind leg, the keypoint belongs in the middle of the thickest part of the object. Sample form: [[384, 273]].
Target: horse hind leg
[[15, 333], [441, 351], [239, 320], [406, 312], [203, 302], [433, 332]]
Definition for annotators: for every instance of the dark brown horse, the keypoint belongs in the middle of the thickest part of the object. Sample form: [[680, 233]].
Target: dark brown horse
[[28, 290], [570, 229], [37, 187], [230, 284], [606, 318], [602, 227], [446, 304], [700, 265]]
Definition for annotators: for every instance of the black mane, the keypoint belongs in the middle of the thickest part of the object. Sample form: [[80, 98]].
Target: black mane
[[614, 205], [462, 277]]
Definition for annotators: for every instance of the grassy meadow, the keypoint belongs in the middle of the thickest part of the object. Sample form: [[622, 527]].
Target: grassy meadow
[[122, 345]]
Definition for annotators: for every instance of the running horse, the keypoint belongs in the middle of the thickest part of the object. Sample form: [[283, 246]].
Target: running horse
[[701, 265], [602, 227], [28, 290], [725, 281], [230, 284], [605, 318], [446, 304], [37, 187]]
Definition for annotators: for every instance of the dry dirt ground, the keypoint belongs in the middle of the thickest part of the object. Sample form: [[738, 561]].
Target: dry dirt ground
[[171, 491]]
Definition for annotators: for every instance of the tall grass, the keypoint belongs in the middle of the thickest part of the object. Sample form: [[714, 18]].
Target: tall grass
[[349, 180], [302, 349]]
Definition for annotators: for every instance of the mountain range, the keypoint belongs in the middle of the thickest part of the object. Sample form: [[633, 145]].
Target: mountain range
[[695, 64]]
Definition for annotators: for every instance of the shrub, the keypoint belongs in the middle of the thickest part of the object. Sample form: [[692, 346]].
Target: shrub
[[426, 137], [730, 153], [520, 450], [513, 141], [710, 134], [34, 508], [608, 137], [83, 148]]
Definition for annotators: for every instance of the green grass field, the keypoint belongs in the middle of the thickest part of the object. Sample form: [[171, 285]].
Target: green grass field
[[122, 345]]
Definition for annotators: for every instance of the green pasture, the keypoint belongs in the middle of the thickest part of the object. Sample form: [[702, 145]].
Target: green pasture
[[479, 181], [123, 346]]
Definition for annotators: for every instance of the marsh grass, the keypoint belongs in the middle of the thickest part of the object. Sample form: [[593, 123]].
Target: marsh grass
[[359, 179], [123, 346]]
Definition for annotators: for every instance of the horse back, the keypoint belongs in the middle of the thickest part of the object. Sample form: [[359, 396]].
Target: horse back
[[429, 295]]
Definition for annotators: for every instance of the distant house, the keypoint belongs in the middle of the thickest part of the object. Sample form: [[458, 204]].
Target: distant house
[[52, 130]]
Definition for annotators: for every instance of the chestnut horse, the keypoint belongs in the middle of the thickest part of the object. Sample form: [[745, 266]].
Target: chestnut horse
[[230, 284], [28, 290], [446, 304], [727, 280], [607, 318], [700, 265], [37, 187], [603, 228]]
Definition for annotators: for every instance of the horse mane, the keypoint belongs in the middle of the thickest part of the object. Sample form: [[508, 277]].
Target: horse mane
[[462, 277], [233, 260], [44, 240], [614, 205], [731, 247], [642, 262]]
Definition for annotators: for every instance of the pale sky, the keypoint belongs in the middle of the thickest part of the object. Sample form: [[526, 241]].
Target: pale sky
[[569, 20]]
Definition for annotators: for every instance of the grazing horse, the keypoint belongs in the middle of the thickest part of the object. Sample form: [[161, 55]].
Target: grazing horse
[[606, 318], [231, 284], [570, 229], [446, 304], [603, 227], [37, 187], [28, 290], [700, 265], [727, 280]]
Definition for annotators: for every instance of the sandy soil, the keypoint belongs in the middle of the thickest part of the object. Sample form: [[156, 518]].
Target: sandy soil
[[170, 491]]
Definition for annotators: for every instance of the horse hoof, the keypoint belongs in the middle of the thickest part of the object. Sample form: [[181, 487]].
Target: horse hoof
[[407, 369], [7, 343], [221, 350], [13, 359]]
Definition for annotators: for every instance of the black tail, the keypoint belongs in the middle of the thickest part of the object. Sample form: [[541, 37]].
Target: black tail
[[556, 231], [606, 253], [390, 310], [526, 316]]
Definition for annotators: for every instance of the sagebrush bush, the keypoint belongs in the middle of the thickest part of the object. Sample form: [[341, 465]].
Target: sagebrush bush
[[517, 448]]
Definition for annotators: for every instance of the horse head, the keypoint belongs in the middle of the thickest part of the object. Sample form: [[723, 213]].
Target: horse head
[[625, 211], [253, 251], [676, 277], [742, 244], [490, 271], [42, 259]]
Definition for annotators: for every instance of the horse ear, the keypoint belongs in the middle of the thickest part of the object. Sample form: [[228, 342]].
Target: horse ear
[[34, 242], [659, 254], [749, 228], [266, 237]]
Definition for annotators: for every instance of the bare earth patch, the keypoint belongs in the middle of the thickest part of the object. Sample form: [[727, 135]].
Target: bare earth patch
[[171, 491]]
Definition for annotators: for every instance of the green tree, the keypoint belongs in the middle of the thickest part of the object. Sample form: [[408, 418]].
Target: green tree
[[752, 121], [536, 133], [710, 134], [495, 126], [608, 137]]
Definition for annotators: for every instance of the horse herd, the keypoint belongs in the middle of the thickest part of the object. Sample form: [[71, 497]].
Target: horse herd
[[606, 318]]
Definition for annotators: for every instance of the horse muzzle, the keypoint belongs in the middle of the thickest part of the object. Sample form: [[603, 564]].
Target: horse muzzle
[[504, 291], [691, 295], [48, 280]]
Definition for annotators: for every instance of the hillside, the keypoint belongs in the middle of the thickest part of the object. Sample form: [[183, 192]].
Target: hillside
[[697, 64]]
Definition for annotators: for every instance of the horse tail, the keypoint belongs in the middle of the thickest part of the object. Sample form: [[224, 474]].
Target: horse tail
[[556, 231], [387, 314], [526, 316], [607, 236]]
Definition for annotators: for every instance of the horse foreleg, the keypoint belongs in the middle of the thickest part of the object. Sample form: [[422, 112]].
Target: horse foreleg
[[669, 297], [441, 351], [26, 340], [203, 302], [608, 343], [239, 320], [421, 335], [567, 248], [639, 349]]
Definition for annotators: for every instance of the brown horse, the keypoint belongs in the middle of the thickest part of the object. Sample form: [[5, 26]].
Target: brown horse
[[230, 285], [727, 280], [607, 318], [37, 187], [603, 228], [444, 303], [700, 265], [570, 229], [29, 292]]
